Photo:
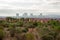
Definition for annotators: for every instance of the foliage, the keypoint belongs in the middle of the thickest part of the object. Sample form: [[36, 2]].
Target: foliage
[[12, 31], [25, 30], [2, 34], [47, 37], [29, 36]]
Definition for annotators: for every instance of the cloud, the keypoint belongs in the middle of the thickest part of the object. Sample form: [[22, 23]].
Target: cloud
[[13, 6]]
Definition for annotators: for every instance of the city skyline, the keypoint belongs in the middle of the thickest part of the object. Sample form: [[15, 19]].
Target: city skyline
[[32, 13]]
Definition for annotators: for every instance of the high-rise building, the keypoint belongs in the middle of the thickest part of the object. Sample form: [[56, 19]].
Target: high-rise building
[[40, 14], [25, 15], [31, 14], [17, 15]]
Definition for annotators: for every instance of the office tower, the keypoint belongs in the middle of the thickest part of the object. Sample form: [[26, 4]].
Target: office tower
[[40, 14], [17, 15], [25, 15], [31, 14]]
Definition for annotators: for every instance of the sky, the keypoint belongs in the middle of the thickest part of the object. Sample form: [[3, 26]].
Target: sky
[[11, 7]]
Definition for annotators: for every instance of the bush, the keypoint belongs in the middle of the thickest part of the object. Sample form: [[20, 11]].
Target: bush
[[58, 37], [47, 37], [20, 37], [19, 34], [29, 36], [2, 34], [12, 31], [25, 30], [54, 34], [18, 30], [1, 27]]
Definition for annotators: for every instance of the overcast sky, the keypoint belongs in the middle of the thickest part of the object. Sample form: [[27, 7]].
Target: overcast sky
[[11, 7]]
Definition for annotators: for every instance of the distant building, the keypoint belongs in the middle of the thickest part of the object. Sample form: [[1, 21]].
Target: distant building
[[25, 15], [17, 15], [40, 14], [31, 14]]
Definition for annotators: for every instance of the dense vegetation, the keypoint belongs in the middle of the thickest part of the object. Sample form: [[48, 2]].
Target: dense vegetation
[[27, 29]]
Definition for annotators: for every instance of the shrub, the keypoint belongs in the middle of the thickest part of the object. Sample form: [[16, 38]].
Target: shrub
[[47, 37], [1, 27], [18, 30], [12, 31], [25, 30], [58, 37], [2, 34], [20, 36], [29, 36]]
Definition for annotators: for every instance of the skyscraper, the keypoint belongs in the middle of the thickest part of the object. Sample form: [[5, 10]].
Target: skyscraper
[[40, 14], [17, 15], [31, 14], [25, 15]]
